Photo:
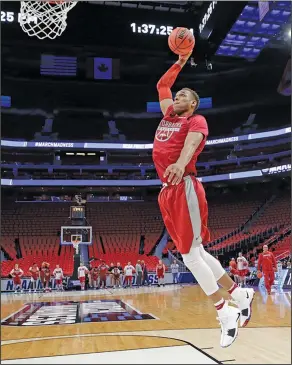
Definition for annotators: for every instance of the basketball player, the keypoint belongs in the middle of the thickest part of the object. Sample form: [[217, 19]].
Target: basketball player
[[128, 271], [34, 272], [58, 274], [242, 266], [268, 264], [103, 270], [45, 275], [160, 272], [94, 277], [110, 270], [120, 267], [233, 270], [116, 277], [82, 271], [16, 274], [179, 139]]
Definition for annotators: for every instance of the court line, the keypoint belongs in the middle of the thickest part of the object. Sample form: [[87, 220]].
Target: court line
[[125, 331], [155, 336]]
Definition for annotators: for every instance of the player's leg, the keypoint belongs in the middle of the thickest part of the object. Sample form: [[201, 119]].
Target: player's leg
[[192, 210]]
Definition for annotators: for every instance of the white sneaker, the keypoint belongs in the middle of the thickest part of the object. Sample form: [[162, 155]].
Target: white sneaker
[[228, 318], [244, 298]]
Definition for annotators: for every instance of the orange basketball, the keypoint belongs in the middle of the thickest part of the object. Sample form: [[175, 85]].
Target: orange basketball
[[181, 41], [259, 274]]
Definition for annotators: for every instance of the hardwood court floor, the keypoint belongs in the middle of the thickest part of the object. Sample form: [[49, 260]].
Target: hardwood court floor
[[183, 330]]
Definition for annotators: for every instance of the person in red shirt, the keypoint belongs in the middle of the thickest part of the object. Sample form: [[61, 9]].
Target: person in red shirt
[[16, 274], [233, 269], [34, 276], [160, 272], [94, 277], [179, 139], [268, 264], [103, 271]]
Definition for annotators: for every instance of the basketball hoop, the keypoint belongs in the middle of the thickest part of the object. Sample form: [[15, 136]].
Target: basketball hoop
[[75, 244], [44, 19]]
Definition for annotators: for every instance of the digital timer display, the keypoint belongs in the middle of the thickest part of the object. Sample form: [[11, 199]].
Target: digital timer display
[[77, 212], [11, 17], [153, 29]]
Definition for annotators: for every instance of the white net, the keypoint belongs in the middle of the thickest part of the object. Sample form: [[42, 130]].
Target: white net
[[76, 246], [44, 19]]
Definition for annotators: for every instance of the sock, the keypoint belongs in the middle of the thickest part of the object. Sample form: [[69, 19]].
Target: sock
[[235, 292], [219, 305]]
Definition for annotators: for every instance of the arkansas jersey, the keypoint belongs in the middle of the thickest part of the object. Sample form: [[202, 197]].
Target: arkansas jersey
[[34, 271], [16, 274], [82, 270], [103, 269], [241, 263], [129, 270], [170, 138], [94, 274], [58, 273], [267, 261], [160, 269]]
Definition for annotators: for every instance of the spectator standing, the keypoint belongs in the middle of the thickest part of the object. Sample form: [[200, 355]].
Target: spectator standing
[[119, 266], [129, 270], [174, 270], [139, 273], [144, 273]]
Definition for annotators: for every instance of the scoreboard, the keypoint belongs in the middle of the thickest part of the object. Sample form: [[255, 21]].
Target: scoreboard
[[77, 212]]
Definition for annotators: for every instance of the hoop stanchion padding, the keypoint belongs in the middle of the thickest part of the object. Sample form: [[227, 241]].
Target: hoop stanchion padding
[[44, 19]]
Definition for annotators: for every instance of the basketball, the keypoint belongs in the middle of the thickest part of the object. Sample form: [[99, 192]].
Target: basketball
[[181, 41], [259, 274]]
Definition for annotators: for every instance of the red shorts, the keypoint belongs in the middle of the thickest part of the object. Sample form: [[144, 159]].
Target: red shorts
[[82, 279], [234, 272], [243, 272], [184, 211], [16, 280], [160, 276], [58, 281]]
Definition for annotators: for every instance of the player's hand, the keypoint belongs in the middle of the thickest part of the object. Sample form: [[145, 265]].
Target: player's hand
[[174, 173], [182, 60]]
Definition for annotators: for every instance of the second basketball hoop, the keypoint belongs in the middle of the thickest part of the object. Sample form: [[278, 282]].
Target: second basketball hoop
[[44, 19]]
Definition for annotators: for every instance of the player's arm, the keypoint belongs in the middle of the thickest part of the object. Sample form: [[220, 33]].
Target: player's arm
[[166, 82], [274, 261], [260, 260], [175, 171]]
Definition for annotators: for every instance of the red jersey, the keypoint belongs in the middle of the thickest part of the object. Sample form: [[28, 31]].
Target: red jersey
[[233, 264], [34, 271], [267, 261], [94, 274], [16, 273], [170, 138], [103, 269], [160, 269]]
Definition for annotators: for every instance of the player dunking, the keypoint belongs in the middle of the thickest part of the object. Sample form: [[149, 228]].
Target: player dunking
[[179, 139]]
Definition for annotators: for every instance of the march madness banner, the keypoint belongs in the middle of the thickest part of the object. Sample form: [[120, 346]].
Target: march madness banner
[[287, 281], [184, 277]]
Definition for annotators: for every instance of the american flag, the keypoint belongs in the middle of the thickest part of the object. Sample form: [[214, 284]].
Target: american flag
[[58, 65]]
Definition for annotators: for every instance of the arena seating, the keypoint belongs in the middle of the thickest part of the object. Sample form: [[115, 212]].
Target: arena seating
[[283, 246], [120, 225]]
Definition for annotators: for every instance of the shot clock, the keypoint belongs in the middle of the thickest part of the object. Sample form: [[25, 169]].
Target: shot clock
[[77, 212]]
